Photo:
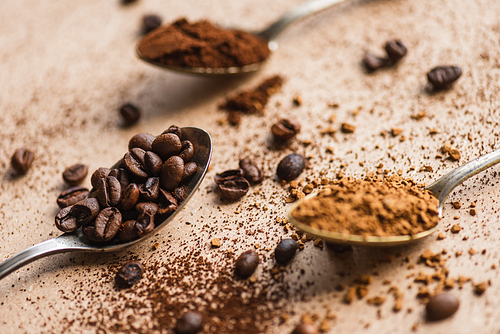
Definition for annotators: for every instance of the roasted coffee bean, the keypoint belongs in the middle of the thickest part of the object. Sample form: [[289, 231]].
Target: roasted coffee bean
[[89, 233], [99, 174], [153, 163], [246, 264], [189, 170], [86, 210], [150, 23], [338, 248], [187, 151], [21, 160], [167, 145], [130, 197], [175, 130], [142, 140], [171, 173], [234, 189], [66, 221], [180, 193], [285, 129], [134, 161], [75, 174], [145, 224], [291, 166], [251, 172], [107, 223], [130, 114], [189, 323], [228, 175], [306, 328], [443, 76], [150, 189], [285, 251], [146, 207], [129, 274], [442, 306], [127, 2], [372, 62], [168, 203], [128, 231], [71, 196], [121, 175], [395, 50], [109, 191]]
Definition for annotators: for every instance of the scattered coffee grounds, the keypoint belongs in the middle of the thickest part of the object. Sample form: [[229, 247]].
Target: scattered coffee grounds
[[442, 77], [347, 128], [253, 101], [251, 172], [72, 196], [189, 323], [21, 160], [291, 166], [441, 306], [74, 175], [150, 23], [231, 184], [129, 201], [246, 264], [306, 328], [285, 251], [130, 114], [129, 274], [202, 44], [285, 129], [395, 51], [391, 207]]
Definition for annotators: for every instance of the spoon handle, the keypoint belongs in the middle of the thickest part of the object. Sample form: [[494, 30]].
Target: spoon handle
[[302, 10], [442, 187]]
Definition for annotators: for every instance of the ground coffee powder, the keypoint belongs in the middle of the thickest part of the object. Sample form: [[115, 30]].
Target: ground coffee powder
[[390, 207], [201, 44]]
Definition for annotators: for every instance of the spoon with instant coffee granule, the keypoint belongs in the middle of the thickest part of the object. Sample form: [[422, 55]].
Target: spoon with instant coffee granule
[[191, 49], [440, 189], [76, 242]]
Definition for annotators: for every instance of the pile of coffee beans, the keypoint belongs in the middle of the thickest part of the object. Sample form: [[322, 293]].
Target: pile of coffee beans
[[129, 201]]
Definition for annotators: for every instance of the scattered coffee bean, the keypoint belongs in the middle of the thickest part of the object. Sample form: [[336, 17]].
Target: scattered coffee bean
[[246, 264], [21, 160], [150, 23], [189, 323], [338, 248], [71, 196], [442, 306], [129, 274], [347, 128], [291, 166], [75, 174], [141, 140], [372, 62], [130, 114], [443, 76], [234, 189], [107, 223], [306, 328], [126, 2], [228, 175], [395, 50], [285, 129], [172, 172], [251, 172], [285, 251], [167, 145]]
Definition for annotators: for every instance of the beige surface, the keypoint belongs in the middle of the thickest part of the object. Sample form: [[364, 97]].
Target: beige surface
[[68, 65]]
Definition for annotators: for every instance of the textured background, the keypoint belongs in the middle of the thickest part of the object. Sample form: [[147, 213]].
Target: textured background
[[67, 66]]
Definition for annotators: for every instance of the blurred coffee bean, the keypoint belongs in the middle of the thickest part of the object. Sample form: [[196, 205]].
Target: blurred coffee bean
[[130, 197], [338, 248], [71, 196], [246, 264], [141, 140], [134, 161], [127, 2], [130, 114], [21, 160], [291, 166], [306, 328], [443, 76], [187, 151], [372, 62], [99, 174], [234, 189], [189, 323], [172, 172], [285, 129], [228, 175], [75, 174], [150, 23], [441, 306], [150, 189], [153, 163], [285, 251], [251, 172], [395, 50], [167, 145], [129, 274], [107, 223], [189, 170], [109, 191]]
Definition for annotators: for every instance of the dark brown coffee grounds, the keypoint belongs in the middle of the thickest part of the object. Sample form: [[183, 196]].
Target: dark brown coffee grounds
[[201, 44]]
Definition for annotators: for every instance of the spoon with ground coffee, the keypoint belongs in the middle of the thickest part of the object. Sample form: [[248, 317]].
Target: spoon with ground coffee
[[204, 49], [76, 241], [389, 212]]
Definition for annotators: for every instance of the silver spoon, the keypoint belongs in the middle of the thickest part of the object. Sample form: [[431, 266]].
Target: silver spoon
[[76, 242], [440, 189], [269, 34]]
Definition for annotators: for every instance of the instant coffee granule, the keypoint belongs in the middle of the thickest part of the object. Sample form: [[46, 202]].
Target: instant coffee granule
[[202, 44], [390, 207]]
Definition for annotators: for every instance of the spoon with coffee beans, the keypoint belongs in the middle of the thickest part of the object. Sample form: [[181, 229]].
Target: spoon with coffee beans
[[332, 227], [204, 49], [130, 201]]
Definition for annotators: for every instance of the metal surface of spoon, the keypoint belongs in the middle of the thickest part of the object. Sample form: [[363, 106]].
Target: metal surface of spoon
[[440, 189], [76, 242], [269, 34]]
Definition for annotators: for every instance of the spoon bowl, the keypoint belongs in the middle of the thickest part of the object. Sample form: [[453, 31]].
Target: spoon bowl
[[76, 242], [440, 189]]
